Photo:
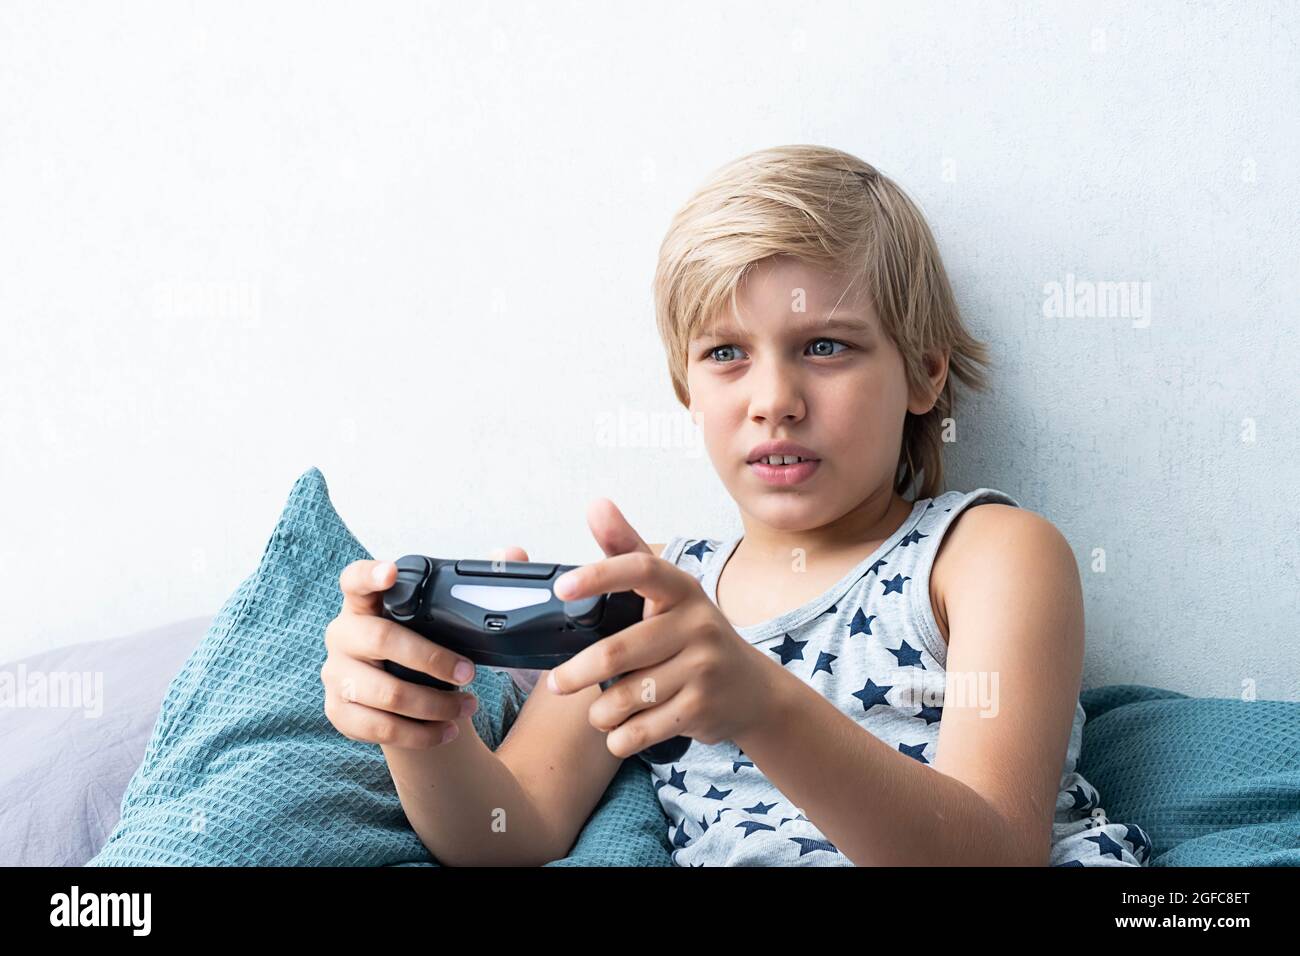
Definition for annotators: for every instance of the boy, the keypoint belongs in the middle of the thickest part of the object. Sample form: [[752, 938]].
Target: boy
[[866, 679]]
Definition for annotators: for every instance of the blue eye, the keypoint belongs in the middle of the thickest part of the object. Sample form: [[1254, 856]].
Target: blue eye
[[833, 342], [719, 348], [712, 353]]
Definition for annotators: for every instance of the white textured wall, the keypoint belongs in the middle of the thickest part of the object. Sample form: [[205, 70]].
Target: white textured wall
[[412, 244]]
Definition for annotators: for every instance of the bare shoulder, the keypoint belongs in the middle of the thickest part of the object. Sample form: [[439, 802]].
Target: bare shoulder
[[978, 536], [1013, 609]]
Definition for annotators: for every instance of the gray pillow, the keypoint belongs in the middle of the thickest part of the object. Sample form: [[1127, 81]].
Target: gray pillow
[[65, 768]]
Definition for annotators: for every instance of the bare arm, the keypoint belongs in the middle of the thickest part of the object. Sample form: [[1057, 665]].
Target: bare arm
[[1015, 612], [523, 804]]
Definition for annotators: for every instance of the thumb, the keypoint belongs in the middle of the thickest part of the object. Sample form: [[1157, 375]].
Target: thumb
[[612, 531]]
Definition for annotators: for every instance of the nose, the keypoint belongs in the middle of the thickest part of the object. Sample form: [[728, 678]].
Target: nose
[[776, 394]]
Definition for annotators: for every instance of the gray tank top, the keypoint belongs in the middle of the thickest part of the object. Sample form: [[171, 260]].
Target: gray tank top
[[870, 645]]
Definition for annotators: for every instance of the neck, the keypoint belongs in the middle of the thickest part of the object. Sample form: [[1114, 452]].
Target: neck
[[875, 518]]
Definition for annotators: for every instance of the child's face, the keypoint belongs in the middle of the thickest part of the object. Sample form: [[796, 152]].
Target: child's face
[[782, 372]]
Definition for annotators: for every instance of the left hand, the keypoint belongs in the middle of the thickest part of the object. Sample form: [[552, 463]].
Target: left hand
[[686, 669]]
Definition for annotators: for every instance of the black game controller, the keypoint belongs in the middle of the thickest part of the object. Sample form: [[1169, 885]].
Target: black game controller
[[505, 614]]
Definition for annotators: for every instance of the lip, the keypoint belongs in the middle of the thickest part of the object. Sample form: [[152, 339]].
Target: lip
[[784, 475], [780, 448]]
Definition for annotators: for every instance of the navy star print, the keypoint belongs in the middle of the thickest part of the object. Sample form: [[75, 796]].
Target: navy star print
[[870, 648], [824, 662], [908, 656], [699, 550], [894, 585], [861, 623], [791, 650], [871, 695]]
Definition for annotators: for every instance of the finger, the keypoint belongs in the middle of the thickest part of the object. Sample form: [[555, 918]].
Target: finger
[[363, 583], [612, 531], [378, 639], [639, 690], [615, 535], [512, 553], [648, 727], [638, 571], [358, 682], [648, 643], [359, 722]]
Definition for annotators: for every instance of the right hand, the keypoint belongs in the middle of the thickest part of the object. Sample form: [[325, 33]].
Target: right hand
[[365, 702]]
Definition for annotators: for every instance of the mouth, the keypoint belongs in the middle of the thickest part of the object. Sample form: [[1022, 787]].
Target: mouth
[[791, 470], [779, 460], [782, 462], [779, 451]]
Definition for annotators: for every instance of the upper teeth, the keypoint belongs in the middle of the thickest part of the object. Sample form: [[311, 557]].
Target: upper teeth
[[781, 459]]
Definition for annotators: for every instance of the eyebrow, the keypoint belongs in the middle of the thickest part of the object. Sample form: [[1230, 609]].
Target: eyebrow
[[854, 325]]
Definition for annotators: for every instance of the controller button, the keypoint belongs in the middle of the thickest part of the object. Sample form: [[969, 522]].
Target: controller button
[[585, 612], [403, 599], [505, 569], [414, 563]]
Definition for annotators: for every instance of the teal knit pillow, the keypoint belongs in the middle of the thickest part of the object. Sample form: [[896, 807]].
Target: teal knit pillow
[[244, 769], [1213, 781]]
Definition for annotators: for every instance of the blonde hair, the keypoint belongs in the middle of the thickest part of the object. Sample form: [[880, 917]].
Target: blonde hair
[[829, 209]]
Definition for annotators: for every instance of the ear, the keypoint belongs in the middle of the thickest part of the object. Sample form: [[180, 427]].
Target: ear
[[936, 368]]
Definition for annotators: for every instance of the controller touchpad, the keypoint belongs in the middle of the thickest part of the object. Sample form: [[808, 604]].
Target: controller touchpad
[[496, 598]]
